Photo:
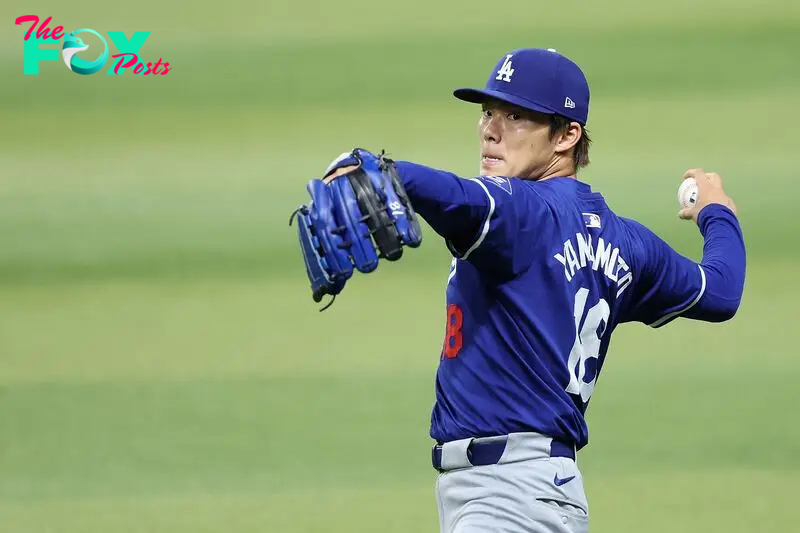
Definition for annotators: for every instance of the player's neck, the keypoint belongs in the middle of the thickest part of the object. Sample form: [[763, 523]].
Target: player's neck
[[560, 168]]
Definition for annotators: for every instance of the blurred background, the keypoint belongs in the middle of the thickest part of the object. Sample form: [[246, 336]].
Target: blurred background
[[162, 365]]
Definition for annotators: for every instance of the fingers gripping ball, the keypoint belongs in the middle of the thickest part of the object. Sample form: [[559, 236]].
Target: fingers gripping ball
[[359, 213]]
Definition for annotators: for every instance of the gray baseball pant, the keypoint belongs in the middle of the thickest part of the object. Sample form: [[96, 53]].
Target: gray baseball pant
[[526, 491]]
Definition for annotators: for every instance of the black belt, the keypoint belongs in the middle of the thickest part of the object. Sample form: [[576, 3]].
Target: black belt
[[489, 452]]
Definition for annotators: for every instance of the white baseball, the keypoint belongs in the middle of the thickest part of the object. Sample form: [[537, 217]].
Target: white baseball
[[687, 193]]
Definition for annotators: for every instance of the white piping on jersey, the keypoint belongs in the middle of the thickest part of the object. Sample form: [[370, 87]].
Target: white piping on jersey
[[665, 318], [453, 266], [486, 224]]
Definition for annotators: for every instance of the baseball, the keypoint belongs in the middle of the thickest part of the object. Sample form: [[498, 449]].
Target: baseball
[[687, 193]]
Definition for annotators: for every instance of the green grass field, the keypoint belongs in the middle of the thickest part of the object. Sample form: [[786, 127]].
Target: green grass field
[[162, 366]]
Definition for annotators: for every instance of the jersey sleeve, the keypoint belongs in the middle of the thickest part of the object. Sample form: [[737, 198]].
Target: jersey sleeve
[[506, 238], [668, 283], [671, 285], [488, 221]]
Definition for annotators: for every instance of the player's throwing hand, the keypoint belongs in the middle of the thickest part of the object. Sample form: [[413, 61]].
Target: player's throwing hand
[[709, 191]]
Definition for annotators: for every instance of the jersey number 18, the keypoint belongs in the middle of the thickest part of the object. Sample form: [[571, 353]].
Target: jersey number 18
[[587, 344]]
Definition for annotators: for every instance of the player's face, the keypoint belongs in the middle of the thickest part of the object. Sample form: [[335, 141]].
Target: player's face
[[515, 142]]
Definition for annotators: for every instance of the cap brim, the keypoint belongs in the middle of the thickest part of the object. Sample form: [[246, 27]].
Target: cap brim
[[480, 96]]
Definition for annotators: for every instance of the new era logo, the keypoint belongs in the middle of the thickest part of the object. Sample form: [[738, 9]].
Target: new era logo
[[569, 103]]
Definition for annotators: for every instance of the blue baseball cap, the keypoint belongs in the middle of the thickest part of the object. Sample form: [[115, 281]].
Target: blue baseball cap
[[537, 79]]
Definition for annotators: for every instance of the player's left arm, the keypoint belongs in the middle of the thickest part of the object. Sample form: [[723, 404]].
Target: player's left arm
[[479, 218]]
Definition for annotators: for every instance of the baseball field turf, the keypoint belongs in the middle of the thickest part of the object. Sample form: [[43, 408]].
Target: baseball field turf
[[162, 366]]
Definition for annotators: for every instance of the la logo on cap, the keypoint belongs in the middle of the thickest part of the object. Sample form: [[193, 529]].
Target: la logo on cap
[[505, 72]]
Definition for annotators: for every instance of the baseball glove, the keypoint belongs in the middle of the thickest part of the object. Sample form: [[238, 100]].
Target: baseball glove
[[355, 218]]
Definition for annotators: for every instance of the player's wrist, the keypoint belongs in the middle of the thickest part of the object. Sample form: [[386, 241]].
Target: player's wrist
[[711, 212]]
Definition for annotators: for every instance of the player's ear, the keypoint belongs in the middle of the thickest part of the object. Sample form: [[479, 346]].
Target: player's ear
[[569, 137]]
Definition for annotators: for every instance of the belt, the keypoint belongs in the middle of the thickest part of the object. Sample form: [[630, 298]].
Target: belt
[[488, 452]]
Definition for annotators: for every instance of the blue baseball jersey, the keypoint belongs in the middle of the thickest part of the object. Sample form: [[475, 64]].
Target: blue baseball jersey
[[542, 274]]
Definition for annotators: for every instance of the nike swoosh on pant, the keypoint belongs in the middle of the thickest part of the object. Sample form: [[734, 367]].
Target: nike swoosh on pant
[[558, 482]]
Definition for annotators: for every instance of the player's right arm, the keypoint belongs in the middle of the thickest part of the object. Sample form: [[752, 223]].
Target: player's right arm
[[671, 285]]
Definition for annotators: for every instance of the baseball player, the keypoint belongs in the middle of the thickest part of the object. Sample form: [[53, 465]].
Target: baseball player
[[542, 273]]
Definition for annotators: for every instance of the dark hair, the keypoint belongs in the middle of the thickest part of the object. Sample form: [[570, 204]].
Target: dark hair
[[560, 124]]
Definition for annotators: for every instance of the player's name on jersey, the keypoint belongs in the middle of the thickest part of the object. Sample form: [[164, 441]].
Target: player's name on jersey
[[605, 258]]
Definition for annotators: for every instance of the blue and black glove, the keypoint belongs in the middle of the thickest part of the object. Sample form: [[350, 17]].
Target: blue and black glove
[[359, 213]]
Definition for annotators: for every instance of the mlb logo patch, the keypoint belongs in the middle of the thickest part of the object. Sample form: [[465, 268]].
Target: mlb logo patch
[[592, 220], [503, 183]]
